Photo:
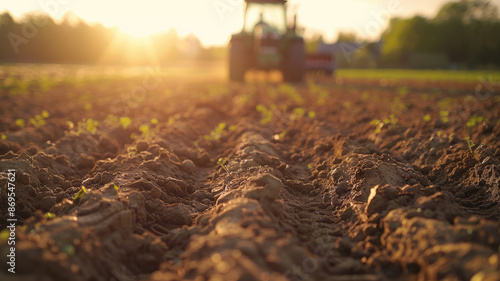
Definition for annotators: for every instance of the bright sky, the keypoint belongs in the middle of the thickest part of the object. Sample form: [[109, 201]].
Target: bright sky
[[213, 21]]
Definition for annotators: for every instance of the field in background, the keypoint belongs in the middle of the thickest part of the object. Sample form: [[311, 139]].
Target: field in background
[[432, 75]]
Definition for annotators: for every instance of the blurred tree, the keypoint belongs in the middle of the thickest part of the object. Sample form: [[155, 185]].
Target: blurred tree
[[38, 38], [466, 32]]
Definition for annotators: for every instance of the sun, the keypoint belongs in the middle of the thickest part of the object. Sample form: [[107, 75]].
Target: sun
[[137, 30]]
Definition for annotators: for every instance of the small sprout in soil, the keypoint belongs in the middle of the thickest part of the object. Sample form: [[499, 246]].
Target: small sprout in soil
[[470, 231], [196, 144], [444, 115], [309, 167], [232, 128], [145, 131], [378, 126], [20, 123], [3, 137], [80, 194], [45, 114], [374, 122], [171, 121], [87, 106], [427, 118], [125, 122], [267, 114], [474, 120], [216, 133], [311, 114], [91, 125], [439, 133], [116, 187], [154, 121], [221, 162], [297, 113], [391, 120], [49, 215], [470, 143]]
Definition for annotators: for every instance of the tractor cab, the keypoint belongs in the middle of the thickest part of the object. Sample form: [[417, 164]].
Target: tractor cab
[[270, 13], [266, 42]]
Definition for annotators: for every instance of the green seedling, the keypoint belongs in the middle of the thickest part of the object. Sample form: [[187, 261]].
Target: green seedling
[[45, 114], [87, 106], [427, 118], [196, 144], [311, 114], [91, 125], [37, 121], [217, 132], [116, 187], [3, 137], [80, 194], [391, 120], [297, 113], [125, 122], [444, 115], [20, 123], [309, 167], [232, 128], [439, 133], [49, 215], [474, 120], [145, 130], [470, 143], [154, 121], [221, 162], [267, 114], [378, 126]]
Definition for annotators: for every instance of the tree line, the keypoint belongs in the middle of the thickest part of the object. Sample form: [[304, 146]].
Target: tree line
[[464, 34], [37, 38]]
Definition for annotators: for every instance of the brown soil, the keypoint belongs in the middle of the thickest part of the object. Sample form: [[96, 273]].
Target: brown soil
[[315, 192]]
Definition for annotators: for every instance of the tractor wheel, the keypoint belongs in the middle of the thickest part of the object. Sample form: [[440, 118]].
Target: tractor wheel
[[237, 61], [295, 62]]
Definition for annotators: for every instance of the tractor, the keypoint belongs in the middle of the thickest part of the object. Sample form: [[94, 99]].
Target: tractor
[[267, 42]]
